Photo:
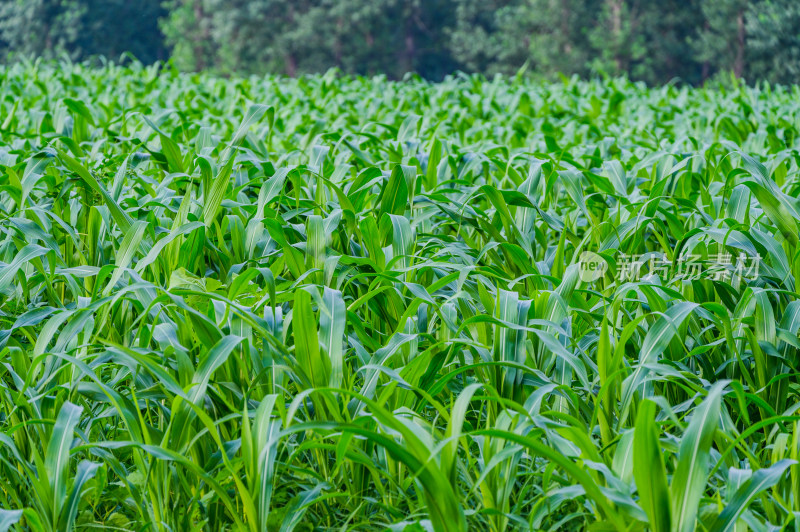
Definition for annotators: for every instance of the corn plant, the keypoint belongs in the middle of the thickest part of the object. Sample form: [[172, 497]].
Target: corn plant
[[268, 304]]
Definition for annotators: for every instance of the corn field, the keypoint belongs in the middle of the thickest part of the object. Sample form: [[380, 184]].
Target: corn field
[[327, 303]]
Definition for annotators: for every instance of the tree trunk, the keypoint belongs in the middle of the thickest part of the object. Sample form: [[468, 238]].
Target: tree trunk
[[409, 52], [199, 53], [738, 64], [615, 11], [409, 48], [337, 43], [566, 46], [706, 64]]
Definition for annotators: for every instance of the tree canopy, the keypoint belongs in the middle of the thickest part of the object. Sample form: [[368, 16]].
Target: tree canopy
[[688, 41]]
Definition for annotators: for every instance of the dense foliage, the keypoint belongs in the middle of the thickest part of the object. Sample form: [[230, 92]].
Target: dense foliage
[[686, 40], [270, 304], [82, 29]]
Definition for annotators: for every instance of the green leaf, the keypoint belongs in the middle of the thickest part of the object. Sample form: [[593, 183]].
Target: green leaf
[[758, 482], [332, 324], [689, 480], [395, 195], [56, 460], [306, 341], [123, 220], [648, 469]]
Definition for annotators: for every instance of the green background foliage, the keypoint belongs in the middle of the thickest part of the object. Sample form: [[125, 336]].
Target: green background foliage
[[689, 41]]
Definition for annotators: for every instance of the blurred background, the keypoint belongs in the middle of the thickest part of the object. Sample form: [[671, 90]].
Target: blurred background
[[688, 41]]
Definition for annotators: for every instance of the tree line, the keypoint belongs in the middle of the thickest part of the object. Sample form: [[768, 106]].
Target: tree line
[[688, 41]]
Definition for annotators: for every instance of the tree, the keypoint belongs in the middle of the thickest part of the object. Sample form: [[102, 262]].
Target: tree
[[648, 41], [303, 36], [669, 26], [720, 43], [560, 40], [82, 28], [656, 42], [187, 31], [42, 28], [482, 39], [114, 27], [645, 40], [773, 41]]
